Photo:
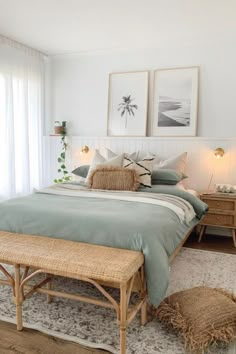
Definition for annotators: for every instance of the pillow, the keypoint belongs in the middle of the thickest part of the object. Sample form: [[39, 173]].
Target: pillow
[[143, 168], [175, 163], [81, 171], [202, 315], [108, 154], [114, 178], [167, 176], [98, 159]]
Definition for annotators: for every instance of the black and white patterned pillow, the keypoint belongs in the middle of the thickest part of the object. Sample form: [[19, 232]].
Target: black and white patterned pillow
[[143, 168]]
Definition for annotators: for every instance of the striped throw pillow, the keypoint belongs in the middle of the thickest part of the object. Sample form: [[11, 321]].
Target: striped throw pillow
[[143, 168]]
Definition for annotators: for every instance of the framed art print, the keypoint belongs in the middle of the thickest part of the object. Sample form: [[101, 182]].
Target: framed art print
[[175, 102], [127, 104]]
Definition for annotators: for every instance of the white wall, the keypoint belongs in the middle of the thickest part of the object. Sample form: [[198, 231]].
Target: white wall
[[79, 85]]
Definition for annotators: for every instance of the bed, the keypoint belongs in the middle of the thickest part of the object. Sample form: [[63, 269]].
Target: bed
[[154, 221]]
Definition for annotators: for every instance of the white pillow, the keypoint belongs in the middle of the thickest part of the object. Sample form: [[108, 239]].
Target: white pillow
[[108, 154], [177, 162], [98, 159], [143, 168]]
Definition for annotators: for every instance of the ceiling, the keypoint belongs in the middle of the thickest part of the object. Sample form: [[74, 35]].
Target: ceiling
[[69, 26]]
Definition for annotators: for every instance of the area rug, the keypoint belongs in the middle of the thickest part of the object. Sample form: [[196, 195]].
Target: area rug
[[96, 327]]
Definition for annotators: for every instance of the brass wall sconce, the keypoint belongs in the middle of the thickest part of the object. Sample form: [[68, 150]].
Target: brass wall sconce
[[84, 149], [219, 152]]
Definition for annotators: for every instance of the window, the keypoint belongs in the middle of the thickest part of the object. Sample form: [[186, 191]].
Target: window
[[21, 115]]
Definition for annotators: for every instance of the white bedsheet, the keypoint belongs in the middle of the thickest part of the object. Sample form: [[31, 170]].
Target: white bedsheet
[[179, 206]]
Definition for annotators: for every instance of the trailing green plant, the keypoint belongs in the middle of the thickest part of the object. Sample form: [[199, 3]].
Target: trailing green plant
[[62, 157]]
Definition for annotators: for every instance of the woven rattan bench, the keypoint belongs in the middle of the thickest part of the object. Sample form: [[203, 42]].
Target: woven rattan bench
[[32, 255]]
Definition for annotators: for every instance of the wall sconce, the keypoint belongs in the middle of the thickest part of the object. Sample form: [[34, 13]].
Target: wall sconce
[[219, 152], [84, 149]]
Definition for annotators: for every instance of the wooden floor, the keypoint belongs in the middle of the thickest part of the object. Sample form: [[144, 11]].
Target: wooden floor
[[212, 243], [33, 342]]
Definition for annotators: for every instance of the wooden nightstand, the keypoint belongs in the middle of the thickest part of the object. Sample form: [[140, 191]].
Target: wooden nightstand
[[222, 213]]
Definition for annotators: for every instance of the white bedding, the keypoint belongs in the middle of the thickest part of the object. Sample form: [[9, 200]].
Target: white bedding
[[179, 206], [179, 185], [191, 191]]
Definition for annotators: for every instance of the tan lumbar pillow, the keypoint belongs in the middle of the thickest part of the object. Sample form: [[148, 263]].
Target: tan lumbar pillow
[[113, 178], [202, 315]]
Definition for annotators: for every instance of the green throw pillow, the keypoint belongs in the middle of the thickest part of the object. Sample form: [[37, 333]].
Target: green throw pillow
[[167, 176], [81, 171]]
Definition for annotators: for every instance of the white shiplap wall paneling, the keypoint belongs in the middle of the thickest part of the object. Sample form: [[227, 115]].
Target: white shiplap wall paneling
[[201, 161]]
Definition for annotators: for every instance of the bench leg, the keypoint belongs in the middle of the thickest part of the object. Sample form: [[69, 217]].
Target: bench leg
[[143, 296], [144, 313], [18, 298], [49, 286], [123, 318]]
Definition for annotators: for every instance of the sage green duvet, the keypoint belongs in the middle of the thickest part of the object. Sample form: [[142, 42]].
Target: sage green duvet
[[153, 229]]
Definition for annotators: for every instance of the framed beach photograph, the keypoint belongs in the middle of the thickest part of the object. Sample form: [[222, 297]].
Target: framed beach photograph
[[175, 102], [127, 104]]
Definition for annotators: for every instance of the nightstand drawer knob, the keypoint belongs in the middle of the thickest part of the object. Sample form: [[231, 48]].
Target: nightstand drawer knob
[[218, 204]]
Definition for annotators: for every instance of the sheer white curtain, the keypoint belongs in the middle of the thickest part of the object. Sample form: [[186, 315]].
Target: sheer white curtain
[[21, 118]]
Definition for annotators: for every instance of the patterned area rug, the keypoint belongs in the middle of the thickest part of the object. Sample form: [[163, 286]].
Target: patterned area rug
[[96, 327]]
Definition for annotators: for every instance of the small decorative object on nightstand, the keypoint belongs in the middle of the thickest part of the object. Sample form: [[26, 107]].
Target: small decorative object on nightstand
[[222, 213]]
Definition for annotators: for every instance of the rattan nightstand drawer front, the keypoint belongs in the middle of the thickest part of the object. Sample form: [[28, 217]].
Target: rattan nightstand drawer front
[[222, 213], [217, 219], [220, 204]]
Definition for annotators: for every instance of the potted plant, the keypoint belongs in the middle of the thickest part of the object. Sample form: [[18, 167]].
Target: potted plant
[[60, 127]]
